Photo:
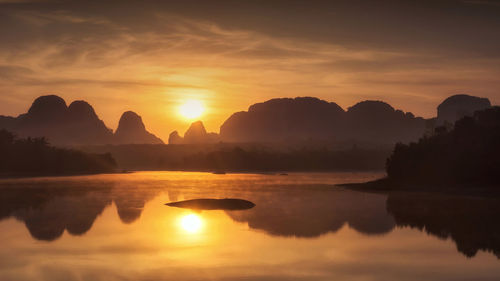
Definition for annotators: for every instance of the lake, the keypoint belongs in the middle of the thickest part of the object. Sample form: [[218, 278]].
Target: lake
[[303, 227]]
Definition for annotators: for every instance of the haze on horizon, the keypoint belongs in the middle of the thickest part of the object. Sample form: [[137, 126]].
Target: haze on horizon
[[153, 56]]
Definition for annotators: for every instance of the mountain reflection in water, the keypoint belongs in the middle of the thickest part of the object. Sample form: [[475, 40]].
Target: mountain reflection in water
[[297, 210], [48, 208]]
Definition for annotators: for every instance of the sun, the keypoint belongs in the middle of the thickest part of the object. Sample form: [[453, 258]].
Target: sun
[[191, 109], [191, 223]]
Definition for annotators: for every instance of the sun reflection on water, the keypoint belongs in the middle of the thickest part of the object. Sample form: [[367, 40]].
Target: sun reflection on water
[[191, 223]]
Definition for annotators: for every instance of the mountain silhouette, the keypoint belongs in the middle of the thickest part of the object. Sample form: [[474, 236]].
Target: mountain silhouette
[[282, 119], [377, 121], [76, 124], [458, 106], [85, 126], [131, 130], [8, 123], [48, 117], [306, 118], [174, 138], [195, 134]]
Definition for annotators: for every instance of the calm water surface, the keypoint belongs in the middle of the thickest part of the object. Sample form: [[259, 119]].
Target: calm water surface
[[303, 227]]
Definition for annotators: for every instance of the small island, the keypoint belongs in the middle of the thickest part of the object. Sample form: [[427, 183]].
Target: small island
[[228, 204]]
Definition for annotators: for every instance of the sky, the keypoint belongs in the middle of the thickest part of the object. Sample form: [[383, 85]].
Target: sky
[[152, 56]]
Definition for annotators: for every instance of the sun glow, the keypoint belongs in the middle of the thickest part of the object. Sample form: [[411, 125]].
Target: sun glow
[[191, 109], [191, 223]]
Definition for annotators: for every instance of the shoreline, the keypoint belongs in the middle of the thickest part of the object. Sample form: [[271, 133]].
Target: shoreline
[[256, 172], [385, 185], [28, 176]]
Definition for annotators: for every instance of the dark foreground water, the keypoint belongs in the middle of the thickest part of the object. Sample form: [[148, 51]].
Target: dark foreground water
[[116, 227]]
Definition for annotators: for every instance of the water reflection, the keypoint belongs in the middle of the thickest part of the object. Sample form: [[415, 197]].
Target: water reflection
[[293, 212], [299, 211], [47, 212], [470, 221], [49, 208], [191, 223]]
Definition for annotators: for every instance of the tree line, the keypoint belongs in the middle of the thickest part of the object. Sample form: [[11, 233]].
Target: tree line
[[469, 153], [34, 156]]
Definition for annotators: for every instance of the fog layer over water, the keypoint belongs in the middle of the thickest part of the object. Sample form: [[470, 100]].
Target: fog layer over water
[[303, 227]]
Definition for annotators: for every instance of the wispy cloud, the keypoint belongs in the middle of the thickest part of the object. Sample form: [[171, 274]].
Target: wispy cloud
[[150, 56]]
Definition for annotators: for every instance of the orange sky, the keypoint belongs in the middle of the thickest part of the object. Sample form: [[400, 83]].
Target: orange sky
[[150, 57]]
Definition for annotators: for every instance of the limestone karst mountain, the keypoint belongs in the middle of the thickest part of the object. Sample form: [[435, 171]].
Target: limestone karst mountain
[[49, 117], [84, 126], [276, 120], [377, 121], [76, 124], [195, 134], [306, 118], [175, 138], [282, 119], [131, 130], [455, 107]]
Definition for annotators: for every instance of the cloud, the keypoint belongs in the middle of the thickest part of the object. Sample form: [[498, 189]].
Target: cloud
[[152, 53], [8, 72], [482, 2]]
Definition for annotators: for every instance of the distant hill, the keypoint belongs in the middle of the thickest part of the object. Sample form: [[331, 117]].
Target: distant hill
[[305, 118], [195, 134], [459, 106], [282, 119], [131, 130], [377, 121], [76, 124]]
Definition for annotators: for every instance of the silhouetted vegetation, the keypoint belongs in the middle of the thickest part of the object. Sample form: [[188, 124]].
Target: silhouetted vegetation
[[34, 156], [244, 157], [468, 154], [238, 159]]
